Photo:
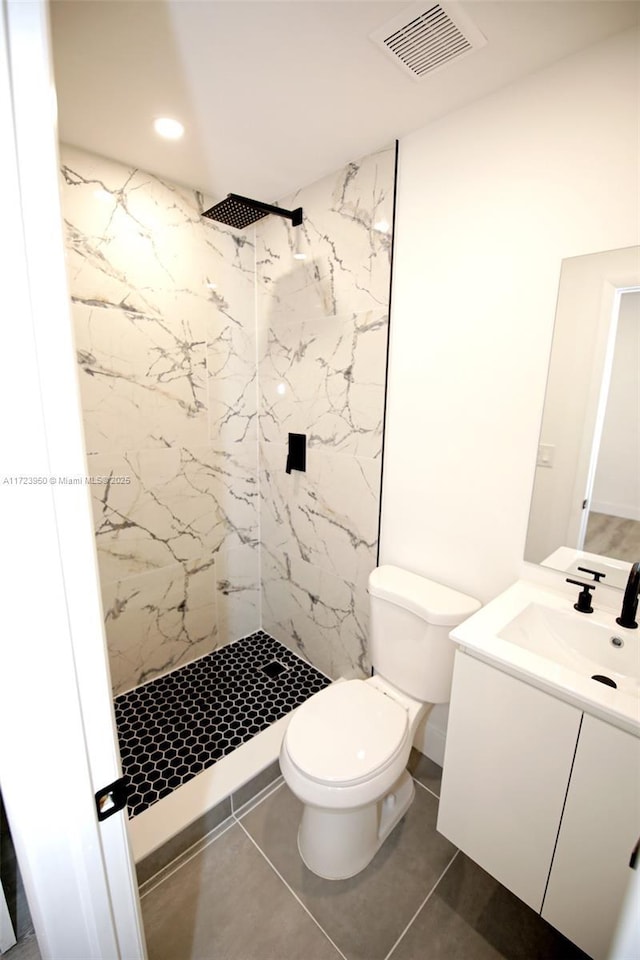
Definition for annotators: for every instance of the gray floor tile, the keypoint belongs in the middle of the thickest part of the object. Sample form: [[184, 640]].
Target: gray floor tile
[[470, 915], [425, 771], [365, 915], [176, 846], [228, 904], [161, 875], [25, 949]]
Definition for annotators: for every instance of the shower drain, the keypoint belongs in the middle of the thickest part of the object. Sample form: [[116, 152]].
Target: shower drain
[[274, 669]]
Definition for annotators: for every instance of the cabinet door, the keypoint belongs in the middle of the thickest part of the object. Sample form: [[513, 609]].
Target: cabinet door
[[506, 768], [600, 827]]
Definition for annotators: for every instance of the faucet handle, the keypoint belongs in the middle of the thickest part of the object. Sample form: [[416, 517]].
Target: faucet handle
[[584, 598], [597, 576]]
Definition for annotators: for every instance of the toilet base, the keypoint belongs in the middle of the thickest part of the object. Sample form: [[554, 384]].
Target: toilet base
[[337, 844]]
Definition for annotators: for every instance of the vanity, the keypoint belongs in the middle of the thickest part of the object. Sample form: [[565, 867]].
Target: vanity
[[541, 781]]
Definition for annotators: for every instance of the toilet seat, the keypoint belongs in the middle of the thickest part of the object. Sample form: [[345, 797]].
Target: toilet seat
[[347, 734]]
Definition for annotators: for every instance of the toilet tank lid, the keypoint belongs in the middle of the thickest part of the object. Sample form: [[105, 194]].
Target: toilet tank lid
[[435, 603]]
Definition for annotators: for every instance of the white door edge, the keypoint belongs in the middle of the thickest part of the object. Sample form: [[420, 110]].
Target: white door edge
[[58, 744]]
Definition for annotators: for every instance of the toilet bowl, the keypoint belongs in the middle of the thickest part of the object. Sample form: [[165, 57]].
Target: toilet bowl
[[345, 751], [345, 758]]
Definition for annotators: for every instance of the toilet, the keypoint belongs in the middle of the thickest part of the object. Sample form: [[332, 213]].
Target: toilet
[[345, 751]]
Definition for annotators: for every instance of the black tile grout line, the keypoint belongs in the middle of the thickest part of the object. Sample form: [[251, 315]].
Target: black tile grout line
[[389, 956], [174, 727]]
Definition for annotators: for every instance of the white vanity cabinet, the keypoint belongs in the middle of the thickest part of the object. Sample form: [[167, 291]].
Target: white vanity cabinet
[[600, 827], [507, 760], [542, 797]]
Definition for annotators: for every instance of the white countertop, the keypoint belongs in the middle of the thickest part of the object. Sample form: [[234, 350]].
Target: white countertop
[[479, 636]]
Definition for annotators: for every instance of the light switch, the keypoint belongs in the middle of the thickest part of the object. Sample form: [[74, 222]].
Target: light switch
[[546, 453]]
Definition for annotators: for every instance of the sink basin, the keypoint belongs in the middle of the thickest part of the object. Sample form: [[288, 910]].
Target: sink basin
[[574, 641], [532, 631]]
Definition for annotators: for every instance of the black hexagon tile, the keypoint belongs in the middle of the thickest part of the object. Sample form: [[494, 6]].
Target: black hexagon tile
[[174, 727]]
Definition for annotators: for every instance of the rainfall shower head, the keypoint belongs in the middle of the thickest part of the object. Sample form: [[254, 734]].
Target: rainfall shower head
[[240, 212]]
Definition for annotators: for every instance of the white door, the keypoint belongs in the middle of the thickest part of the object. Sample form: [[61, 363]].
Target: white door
[[57, 734], [591, 294]]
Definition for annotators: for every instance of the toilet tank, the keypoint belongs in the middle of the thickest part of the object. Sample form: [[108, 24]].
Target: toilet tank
[[411, 618]]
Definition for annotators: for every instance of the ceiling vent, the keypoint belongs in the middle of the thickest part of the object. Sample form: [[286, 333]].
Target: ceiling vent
[[426, 38]]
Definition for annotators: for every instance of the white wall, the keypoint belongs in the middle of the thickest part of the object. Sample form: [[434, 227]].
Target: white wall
[[490, 200]]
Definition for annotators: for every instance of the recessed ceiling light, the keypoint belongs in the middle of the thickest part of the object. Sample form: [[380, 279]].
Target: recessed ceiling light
[[168, 128]]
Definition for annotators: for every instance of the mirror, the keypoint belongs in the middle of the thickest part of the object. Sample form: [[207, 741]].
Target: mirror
[[585, 505]]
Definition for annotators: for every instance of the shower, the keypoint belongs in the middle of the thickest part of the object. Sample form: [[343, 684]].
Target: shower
[[217, 624], [240, 212]]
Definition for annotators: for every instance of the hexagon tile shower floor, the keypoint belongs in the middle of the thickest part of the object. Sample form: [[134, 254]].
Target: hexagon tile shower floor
[[174, 727]]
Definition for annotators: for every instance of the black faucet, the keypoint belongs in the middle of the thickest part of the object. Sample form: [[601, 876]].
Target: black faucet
[[627, 616]]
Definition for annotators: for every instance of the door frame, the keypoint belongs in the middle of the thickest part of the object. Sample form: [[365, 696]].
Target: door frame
[[56, 712]]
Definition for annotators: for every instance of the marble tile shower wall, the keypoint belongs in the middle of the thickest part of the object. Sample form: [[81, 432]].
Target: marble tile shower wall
[[167, 377], [322, 344]]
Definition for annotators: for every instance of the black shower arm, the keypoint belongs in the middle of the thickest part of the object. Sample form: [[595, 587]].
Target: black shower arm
[[294, 215]]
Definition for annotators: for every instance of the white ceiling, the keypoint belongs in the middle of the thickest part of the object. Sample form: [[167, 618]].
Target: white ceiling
[[277, 93]]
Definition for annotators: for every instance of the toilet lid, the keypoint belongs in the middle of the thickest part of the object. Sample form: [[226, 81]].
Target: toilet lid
[[345, 733]]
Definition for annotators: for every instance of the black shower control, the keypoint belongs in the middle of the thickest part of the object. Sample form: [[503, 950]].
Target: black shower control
[[297, 454]]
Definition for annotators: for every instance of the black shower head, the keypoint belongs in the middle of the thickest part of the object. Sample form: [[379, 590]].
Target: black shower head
[[240, 212]]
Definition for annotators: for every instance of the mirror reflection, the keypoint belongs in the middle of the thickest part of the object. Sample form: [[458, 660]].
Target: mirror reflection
[[585, 508]]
